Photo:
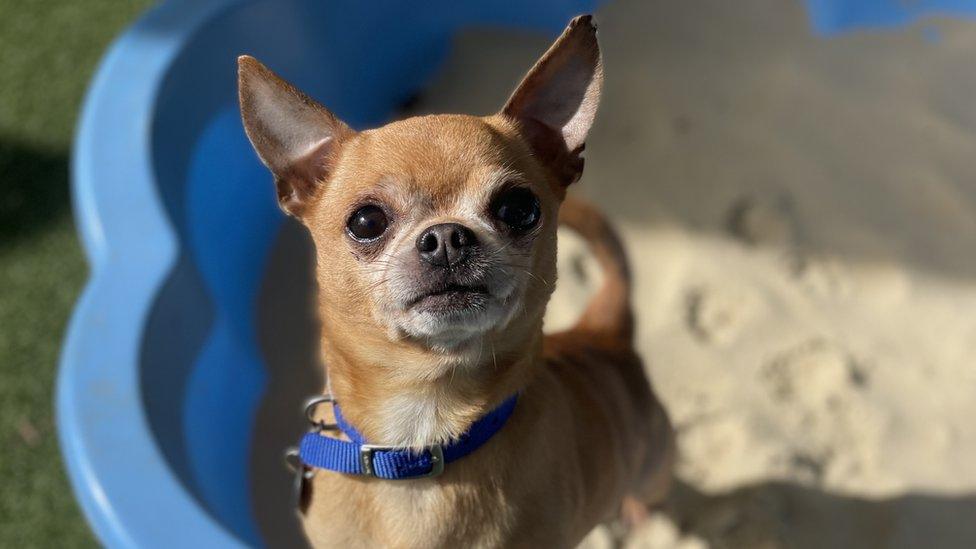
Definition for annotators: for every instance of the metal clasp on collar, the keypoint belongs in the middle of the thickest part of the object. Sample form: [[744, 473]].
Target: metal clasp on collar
[[311, 405], [303, 474], [366, 452]]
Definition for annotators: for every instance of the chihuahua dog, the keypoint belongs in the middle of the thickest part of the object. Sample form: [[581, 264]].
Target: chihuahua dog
[[435, 241]]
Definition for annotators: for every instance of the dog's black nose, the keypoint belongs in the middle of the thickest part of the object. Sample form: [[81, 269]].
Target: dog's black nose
[[446, 244]]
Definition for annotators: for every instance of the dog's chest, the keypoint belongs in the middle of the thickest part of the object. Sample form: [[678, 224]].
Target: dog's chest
[[351, 513], [409, 420]]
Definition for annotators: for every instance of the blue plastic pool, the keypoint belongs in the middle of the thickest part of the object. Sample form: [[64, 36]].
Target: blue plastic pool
[[161, 376]]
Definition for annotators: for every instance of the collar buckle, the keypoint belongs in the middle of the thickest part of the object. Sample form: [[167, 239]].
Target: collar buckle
[[366, 452]]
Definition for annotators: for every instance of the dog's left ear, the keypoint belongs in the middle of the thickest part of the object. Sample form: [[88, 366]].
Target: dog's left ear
[[295, 137], [557, 101]]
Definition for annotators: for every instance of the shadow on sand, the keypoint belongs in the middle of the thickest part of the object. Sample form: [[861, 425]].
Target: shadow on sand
[[288, 335], [784, 514]]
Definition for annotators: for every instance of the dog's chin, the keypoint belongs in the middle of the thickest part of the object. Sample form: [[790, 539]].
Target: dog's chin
[[452, 321]]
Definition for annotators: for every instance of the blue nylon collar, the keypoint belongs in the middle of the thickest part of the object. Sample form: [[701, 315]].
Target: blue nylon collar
[[359, 458]]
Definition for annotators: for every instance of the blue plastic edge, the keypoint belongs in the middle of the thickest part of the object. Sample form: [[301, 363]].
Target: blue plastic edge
[[833, 17], [98, 398]]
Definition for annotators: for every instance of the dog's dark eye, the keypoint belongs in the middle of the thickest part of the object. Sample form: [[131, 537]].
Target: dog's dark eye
[[517, 207], [367, 223]]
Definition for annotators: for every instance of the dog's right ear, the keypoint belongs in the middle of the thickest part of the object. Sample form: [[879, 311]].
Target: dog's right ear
[[295, 137]]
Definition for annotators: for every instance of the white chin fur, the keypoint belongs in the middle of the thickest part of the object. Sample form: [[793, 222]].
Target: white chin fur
[[450, 331]]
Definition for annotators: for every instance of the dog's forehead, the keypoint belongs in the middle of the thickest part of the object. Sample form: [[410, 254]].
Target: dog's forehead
[[438, 155]]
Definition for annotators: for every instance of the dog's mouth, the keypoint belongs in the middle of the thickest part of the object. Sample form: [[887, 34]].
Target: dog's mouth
[[452, 297]]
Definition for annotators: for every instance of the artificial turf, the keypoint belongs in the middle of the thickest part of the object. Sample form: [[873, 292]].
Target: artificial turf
[[48, 52]]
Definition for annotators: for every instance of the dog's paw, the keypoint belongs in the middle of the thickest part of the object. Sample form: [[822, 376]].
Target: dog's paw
[[658, 531], [633, 512]]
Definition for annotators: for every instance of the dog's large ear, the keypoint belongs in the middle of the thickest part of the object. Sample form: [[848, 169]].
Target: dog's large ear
[[556, 102], [295, 137]]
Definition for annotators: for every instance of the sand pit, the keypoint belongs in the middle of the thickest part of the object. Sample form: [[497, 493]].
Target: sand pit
[[801, 213]]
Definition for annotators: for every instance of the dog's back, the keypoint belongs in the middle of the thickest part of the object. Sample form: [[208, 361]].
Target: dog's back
[[598, 351]]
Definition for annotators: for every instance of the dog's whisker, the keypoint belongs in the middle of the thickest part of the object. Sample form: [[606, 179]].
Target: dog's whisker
[[494, 359]]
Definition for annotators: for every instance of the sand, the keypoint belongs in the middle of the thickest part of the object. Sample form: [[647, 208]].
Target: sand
[[801, 214]]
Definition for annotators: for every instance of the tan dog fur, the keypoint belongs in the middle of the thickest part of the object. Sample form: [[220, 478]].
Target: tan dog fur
[[587, 431]]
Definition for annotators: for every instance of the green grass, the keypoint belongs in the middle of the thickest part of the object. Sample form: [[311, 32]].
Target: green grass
[[48, 52]]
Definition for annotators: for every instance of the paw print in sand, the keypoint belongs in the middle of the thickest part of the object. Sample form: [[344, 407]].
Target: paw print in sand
[[830, 429], [764, 220], [716, 315], [772, 221]]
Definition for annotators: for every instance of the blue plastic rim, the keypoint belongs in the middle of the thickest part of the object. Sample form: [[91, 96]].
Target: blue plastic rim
[[160, 374]]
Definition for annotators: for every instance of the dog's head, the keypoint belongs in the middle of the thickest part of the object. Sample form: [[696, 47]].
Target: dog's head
[[435, 229]]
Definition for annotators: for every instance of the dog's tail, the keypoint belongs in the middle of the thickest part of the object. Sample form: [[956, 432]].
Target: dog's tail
[[609, 310]]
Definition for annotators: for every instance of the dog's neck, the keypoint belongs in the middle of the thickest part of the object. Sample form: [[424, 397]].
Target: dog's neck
[[401, 393]]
